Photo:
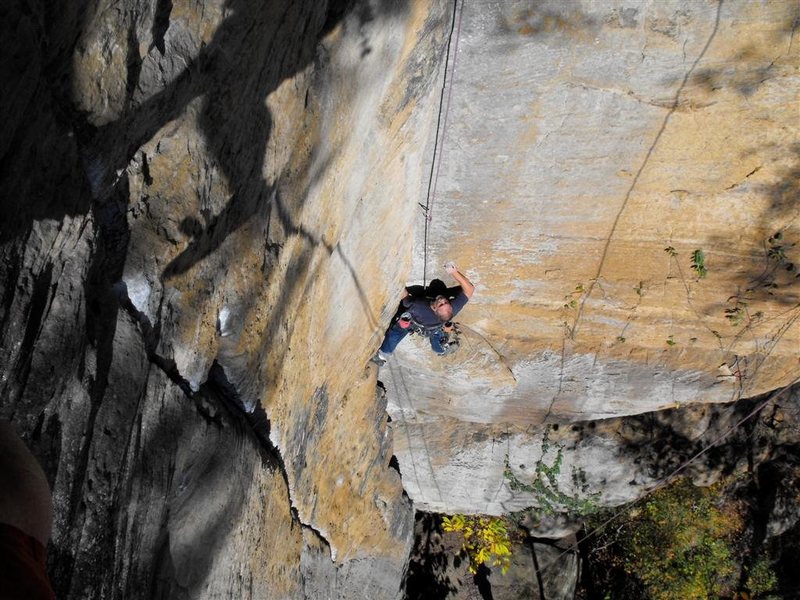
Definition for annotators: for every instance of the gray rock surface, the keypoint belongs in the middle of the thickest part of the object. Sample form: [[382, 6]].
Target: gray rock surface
[[754, 465], [616, 460], [192, 196]]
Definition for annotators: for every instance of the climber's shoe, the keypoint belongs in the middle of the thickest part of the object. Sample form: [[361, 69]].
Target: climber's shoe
[[449, 347], [379, 358]]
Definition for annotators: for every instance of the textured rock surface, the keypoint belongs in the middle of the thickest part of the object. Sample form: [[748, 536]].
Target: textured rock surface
[[208, 206], [618, 458], [754, 467], [201, 201], [437, 570], [583, 139]]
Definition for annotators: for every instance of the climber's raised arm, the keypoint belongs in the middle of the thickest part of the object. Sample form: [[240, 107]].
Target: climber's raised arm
[[466, 284]]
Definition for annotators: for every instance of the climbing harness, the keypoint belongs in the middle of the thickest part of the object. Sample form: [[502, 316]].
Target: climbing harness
[[449, 340]]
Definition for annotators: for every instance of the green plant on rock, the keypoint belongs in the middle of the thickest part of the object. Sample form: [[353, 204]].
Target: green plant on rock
[[777, 251], [699, 263], [777, 261], [571, 308], [571, 299], [485, 540], [737, 313], [769, 281], [550, 499]]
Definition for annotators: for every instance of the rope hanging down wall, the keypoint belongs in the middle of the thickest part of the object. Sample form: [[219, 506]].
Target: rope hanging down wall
[[441, 128]]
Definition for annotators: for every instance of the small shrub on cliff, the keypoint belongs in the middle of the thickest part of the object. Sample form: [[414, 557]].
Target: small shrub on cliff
[[486, 540], [762, 580], [678, 543], [699, 263], [550, 499]]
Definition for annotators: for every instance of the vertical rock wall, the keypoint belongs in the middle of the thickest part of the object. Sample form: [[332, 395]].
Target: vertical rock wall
[[584, 139], [206, 213]]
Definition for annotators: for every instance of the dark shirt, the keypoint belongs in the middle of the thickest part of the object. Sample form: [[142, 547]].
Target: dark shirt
[[422, 313]]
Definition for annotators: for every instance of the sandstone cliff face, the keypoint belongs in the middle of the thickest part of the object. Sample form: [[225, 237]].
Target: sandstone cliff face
[[206, 209], [583, 140], [210, 209]]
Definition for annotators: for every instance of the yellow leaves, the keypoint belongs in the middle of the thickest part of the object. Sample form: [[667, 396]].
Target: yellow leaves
[[500, 549], [454, 523], [485, 540]]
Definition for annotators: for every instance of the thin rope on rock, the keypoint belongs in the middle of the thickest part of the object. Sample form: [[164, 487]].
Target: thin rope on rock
[[441, 125]]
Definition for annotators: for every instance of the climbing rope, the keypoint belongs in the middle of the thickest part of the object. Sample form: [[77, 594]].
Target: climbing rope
[[441, 125], [441, 129]]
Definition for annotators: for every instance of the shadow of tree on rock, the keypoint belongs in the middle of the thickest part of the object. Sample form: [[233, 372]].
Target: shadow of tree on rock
[[427, 571]]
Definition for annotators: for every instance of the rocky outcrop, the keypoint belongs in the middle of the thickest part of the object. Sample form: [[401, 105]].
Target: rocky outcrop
[[748, 450], [201, 202], [210, 210], [605, 463], [589, 150]]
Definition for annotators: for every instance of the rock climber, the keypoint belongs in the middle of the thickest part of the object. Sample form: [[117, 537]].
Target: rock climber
[[431, 318]]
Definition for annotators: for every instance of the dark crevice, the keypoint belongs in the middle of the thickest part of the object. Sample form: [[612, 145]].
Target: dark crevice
[[257, 418], [151, 337], [161, 24], [481, 580], [40, 298], [586, 579], [316, 532], [337, 9], [427, 576], [148, 179], [258, 422], [133, 64], [170, 369], [537, 571]]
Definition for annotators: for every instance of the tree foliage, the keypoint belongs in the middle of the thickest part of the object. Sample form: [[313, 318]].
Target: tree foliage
[[679, 543], [486, 540]]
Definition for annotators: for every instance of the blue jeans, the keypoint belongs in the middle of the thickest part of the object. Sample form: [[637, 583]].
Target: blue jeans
[[395, 334]]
